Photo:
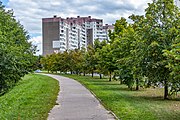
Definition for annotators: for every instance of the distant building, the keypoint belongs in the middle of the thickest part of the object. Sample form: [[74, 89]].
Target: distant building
[[61, 34]]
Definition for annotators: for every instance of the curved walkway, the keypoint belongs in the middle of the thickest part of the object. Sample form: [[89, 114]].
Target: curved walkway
[[75, 102]]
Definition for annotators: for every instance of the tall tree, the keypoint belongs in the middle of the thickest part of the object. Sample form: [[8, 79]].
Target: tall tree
[[16, 54], [173, 63], [156, 30], [91, 59], [99, 67], [122, 46], [107, 59]]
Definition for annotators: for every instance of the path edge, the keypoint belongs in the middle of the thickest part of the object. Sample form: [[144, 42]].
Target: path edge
[[111, 112], [56, 103]]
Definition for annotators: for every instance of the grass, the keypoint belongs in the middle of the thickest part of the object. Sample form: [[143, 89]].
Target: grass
[[146, 104], [31, 99]]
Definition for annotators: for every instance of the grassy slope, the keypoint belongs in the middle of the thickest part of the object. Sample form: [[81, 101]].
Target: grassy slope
[[146, 104], [31, 99]]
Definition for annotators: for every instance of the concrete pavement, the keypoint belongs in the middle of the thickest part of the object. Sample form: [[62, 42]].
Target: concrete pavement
[[75, 102]]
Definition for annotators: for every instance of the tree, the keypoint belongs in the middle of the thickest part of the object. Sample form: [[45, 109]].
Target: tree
[[173, 63], [17, 57], [91, 59], [66, 61], [107, 59], [99, 67], [78, 61], [155, 29], [122, 47], [48, 62]]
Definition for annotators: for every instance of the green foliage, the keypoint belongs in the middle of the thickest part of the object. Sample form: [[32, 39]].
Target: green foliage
[[31, 99], [173, 63], [100, 68], [158, 30], [91, 59], [121, 49], [107, 59], [72, 61], [16, 54]]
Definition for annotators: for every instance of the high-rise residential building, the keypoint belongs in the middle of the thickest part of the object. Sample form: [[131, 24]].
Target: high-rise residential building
[[61, 34]]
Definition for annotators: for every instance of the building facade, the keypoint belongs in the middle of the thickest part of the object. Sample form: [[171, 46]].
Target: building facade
[[60, 34]]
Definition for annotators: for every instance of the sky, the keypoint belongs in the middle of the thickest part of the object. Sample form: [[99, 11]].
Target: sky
[[31, 12]]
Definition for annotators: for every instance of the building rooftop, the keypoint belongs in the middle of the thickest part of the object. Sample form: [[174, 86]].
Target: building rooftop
[[78, 20]]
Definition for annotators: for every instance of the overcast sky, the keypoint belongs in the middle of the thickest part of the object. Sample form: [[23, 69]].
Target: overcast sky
[[31, 12]]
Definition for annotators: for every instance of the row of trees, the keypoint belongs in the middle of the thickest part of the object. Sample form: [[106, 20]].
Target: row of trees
[[76, 61], [16, 54], [144, 52]]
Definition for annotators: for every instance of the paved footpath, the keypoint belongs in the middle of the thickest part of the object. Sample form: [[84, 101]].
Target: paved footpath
[[76, 103]]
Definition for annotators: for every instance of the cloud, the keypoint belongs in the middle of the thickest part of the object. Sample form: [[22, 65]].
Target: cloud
[[37, 41], [31, 12]]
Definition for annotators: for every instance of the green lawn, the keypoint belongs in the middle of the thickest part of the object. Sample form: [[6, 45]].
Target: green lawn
[[31, 99], [146, 104]]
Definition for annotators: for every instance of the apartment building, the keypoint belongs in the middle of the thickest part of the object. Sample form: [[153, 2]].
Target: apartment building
[[61, 34]]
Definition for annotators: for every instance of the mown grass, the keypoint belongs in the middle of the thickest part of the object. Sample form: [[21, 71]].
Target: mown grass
[[146, 104], [31, 99]]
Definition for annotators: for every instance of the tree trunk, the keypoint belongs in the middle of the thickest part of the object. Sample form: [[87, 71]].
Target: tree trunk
[[100, 76], [121, 81], [84, 73], [71, 72], [110, 76], [165, 90], [92, 73], [137, 84], [130, 87]]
